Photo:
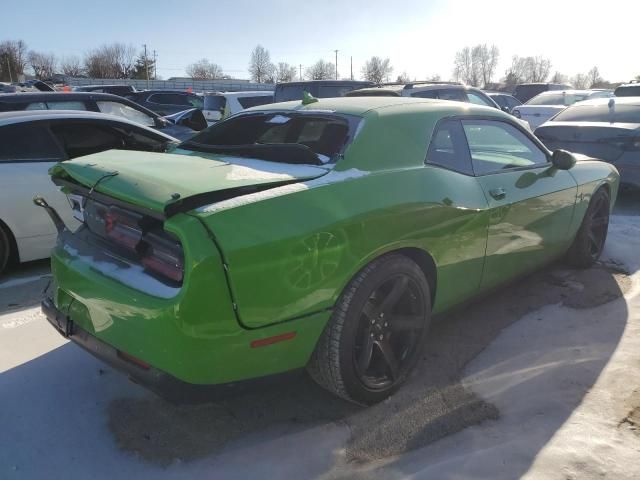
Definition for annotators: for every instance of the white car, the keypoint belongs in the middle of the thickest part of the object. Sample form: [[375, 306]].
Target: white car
[[220, 105], [31, 142], [547, 104]]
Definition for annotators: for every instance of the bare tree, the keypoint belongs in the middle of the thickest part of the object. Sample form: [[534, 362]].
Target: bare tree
[[13, 59], [559, 78], [377, 69], [594, 78], [42, 64], [580, 81], [320, 70], [71, 66], [260, 67], [527, 69], [540, 68], [111, 61], [204, 70], [463, 66], [403, 78], [285, 72], [488, 60]]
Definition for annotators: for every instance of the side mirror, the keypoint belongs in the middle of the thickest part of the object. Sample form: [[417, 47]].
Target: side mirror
[[563, 160], [505, 109]]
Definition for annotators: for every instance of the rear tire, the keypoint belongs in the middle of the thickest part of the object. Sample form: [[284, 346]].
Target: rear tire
[[5, 249], [376, 332], [589, 242]]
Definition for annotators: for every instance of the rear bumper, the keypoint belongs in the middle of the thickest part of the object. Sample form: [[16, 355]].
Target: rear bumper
[[159, 382]]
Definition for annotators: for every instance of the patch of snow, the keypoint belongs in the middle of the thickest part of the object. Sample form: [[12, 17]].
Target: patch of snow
[[331, 177], [133, 276]]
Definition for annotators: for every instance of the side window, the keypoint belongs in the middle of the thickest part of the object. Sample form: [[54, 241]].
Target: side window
[[496, 146], [426, 94], [36, 106], [66, 106], [195, 101], [453, 94], [142, 140], [478, 99], [248, 102], [28, 142], [169, 99], [448, 148], [122, 110], [84, 139]]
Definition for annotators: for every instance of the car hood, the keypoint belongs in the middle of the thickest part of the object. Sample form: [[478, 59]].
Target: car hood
[[169, 183]]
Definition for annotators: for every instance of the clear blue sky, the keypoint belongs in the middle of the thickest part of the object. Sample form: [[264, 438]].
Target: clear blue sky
[[420, 37]]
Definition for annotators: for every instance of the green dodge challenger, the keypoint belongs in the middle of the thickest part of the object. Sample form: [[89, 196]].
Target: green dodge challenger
[[321, 235]]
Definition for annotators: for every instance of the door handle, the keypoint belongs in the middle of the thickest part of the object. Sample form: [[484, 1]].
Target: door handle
[[498, 193]]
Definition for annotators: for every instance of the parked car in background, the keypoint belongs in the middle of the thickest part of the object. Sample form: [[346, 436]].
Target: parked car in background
[[526, 91], [31, 143], [220, 105], [288, 91], [436, 90], [544, 106], [166, 102], [628, 90], [104, 103], [605, 128], [319, 234], [505, 101], [121, 90]]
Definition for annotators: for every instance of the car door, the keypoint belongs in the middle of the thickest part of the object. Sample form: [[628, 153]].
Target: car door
[[531, 202], [462, 206], [27, 151]]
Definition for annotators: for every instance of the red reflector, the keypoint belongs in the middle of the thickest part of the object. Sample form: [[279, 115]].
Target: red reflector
[[263, 342], [131, 359]]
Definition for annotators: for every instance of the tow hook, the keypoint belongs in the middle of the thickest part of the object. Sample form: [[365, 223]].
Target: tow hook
[[55, 218]]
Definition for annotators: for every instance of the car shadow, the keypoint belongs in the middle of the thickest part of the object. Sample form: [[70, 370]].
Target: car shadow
[[57, 394]]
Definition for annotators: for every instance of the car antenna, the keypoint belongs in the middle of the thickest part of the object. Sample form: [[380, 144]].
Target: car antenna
[[307, 98]]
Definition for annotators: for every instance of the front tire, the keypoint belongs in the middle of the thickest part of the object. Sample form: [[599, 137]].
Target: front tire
[[589, 242], [376, 332]]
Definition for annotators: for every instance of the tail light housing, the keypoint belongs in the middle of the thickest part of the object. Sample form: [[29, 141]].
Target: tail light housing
[[138, 237]]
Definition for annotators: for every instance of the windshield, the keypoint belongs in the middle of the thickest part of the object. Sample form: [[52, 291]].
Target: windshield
[[600, 113], [558, 99], [287, 137]]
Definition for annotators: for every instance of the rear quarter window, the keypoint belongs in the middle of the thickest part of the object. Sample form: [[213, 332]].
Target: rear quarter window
[[248, 102]]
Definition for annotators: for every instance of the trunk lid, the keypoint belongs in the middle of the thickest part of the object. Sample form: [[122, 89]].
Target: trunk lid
[[604, 141], [168, 183], [536, 115]]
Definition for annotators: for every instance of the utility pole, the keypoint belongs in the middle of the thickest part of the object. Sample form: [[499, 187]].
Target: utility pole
[[146, 63], [300, 72], [155, 66], [351, 67], [336, 63], [9, 68]]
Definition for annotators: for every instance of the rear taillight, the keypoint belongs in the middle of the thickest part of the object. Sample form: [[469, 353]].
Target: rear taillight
[[163, 256], [138, 237]]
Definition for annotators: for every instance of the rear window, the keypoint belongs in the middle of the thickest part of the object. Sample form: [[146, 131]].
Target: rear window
[[628, 91], [248, 102], [285, 137], [557, 99], [286, 93], [600, 113]]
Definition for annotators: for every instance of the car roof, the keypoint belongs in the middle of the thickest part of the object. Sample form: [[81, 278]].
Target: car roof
[[7, 118], [309, 82], [567, 92], [44, 96], [360, 106], [253, 93], [417, 86], [632, 101]]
